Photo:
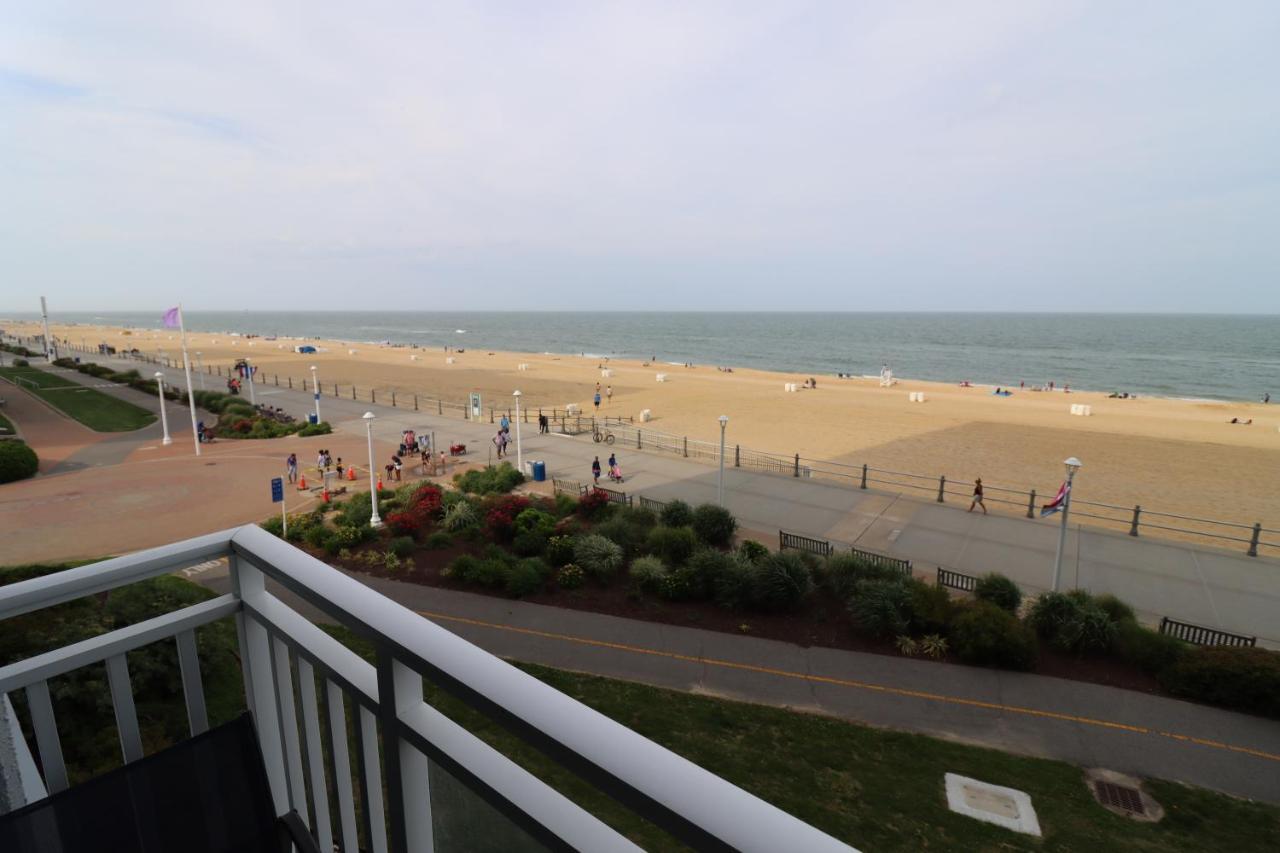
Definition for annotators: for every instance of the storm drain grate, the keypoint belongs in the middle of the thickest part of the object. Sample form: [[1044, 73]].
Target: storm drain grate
[[1119, 796]]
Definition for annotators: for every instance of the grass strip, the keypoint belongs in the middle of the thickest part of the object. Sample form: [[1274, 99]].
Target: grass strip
[[98, 411]]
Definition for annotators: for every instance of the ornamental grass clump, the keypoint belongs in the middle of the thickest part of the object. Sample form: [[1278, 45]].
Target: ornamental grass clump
[[781, 581], [986, 635], [647, 572], [598, 557], [714, 525], [1000, 591]]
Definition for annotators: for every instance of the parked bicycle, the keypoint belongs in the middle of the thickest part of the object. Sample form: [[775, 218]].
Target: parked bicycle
[[602, 435]]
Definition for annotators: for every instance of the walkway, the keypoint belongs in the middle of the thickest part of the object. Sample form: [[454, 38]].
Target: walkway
[[1158, 578], [1085, 724]]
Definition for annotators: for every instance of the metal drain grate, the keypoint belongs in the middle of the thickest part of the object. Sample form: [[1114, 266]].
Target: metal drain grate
[[1119, 796]]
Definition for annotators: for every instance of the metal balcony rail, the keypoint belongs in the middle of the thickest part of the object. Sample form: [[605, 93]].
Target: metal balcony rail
[[282, 654]]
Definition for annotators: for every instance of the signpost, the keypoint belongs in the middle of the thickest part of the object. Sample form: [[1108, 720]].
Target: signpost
[[475, 407], [277, 497]]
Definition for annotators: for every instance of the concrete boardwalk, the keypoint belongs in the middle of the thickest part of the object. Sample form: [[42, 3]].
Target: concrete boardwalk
[[1085, 724], [1211, 587]]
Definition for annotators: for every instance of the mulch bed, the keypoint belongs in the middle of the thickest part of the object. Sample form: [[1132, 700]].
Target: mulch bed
[[822, 622]]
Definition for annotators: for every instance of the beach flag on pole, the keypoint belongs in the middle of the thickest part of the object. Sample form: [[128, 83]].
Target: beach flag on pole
[[1059, 500], [173, 320]]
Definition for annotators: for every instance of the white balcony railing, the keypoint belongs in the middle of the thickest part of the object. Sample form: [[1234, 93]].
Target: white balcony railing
[[282, 652]]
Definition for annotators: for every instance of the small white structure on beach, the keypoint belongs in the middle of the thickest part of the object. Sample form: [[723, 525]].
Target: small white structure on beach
[[349, 352], [1081, 409], [916, 397], [449, 360], [413, 358], [524, 365], [572, 409], [645, 416], [662, 377], [606, 373], [886, 376], [790, 387]]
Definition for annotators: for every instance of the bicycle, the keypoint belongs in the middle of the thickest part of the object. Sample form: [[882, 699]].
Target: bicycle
[[603, 435]]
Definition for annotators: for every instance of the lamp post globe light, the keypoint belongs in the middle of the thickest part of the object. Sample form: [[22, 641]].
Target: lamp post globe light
[[1073, 465], [374, 521], [724, 422], [519, 455], [315, 389], [164, 418]]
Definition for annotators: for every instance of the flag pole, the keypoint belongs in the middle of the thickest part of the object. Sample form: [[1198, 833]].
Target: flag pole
[[186, 366]]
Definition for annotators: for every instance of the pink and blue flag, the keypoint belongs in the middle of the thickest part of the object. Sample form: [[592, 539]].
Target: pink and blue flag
[[1057, 503], [171, 318]]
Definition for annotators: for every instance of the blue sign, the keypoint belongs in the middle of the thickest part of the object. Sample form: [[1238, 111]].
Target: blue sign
[[277, 490]]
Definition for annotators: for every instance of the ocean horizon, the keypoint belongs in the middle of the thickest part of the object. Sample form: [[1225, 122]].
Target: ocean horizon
[[1199, 356]]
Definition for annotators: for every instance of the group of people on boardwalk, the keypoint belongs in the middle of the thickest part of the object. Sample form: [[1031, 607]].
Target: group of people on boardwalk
[[608, 396], [614, 471], [503, 438]]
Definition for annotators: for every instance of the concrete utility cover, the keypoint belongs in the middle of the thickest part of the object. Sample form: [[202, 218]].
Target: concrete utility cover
[[992, 804]]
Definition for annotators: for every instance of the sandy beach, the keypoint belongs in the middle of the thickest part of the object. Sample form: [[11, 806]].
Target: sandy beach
[[1180, 456]]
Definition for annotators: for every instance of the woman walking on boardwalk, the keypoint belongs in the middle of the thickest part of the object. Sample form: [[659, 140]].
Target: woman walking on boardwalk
[[977, 497], [595, 471]]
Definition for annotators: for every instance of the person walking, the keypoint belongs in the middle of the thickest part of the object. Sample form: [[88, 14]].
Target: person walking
[[608, 394], [338, 467], [597, 401], [977, 497], [504, 424], [542, 423], [291, 467], [595, 471]]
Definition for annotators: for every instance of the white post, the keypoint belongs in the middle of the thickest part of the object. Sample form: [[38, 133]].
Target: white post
[[200, 370], [1072, 465], [44, 314], [724, 422], [191, 394], [284, 519], [374, 520], [519, 455], [249, 370], [315, 388], [164, 419]]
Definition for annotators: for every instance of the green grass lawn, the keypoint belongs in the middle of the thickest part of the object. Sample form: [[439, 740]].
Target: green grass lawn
[[99, 412], [876, 790]]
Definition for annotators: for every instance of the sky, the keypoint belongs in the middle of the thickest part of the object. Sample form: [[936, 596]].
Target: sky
[[977, 156]]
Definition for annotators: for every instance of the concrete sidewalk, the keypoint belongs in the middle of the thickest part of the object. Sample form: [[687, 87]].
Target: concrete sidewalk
[[1204, 586], [1085, 724]]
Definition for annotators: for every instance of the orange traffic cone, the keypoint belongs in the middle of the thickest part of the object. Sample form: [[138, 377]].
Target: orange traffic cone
[[325, 496], [379, 482], [302, 482], [351, 473]]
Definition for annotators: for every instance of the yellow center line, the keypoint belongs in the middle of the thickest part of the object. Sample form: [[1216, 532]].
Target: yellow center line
[[859, 685]]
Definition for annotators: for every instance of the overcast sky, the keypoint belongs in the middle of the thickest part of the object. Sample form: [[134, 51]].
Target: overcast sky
[[844, 155]]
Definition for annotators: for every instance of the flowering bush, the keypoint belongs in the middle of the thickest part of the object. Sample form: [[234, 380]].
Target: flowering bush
[[427, 499], [501, 516], [593, 505], [407, 522]]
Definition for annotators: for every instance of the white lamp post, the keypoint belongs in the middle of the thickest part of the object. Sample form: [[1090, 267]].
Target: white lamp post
[[315, 388], [724, 422], [164, 419], [248, 364], [1073, 465], [374, 520], [519, 455], [200, 369]]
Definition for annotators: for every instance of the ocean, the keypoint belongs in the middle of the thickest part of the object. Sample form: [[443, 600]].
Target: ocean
[[1216, 357]]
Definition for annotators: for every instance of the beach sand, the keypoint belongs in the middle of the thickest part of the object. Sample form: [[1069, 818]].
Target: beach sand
[[1179, 456]]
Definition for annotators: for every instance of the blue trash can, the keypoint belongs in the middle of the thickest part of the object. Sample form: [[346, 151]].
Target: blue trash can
[[539, 472], [311, 418]]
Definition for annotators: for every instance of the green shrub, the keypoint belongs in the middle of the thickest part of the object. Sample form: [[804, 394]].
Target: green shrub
[[345, 537], [676, 514], [1116, 609], [559, 550], [1000, 591], [570, 576], [638, 516], [451, 498], [597, 556], [623, 532], [462, 568], [714, 525], [781, 581], [673, 544], [21, 362], [647, 572], [438, 541], [315, 535], [525, 578], [273, 525], [565, 506], [17, 461], [752, 551], [461, 516], [705, 568], [1148, 650], [1236, 677], [678, 585], [881, 608], [931, 608], [841, 573], [735, 585], [986, 635], [491, 572], [490, 480], [1073, 622], [534, 520], [322, 428], [356, 512], [401, 546], [530, 544]]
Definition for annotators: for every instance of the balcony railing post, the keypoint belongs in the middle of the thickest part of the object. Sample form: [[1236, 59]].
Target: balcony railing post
[[1031, 504], [1133, 528], [1253, 540], [408, 777], [863, 484], [942, 487]]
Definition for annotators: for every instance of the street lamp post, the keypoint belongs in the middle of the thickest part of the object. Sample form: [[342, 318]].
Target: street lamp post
[[248, 368], [374, 521], [724, 422], [315, 388], [1073, 465], [200, 369], [519, 455], [164, 418]]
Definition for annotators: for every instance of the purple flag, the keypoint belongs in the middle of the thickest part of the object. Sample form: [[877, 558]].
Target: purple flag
[[171, 318]]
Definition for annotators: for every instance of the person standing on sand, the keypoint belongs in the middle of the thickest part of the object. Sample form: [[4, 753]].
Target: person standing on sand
[[595, 471], [608, 394], [597, 400], [977, 497], [1266, 398]]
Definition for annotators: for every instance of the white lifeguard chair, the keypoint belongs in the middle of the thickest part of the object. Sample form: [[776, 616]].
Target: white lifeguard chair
[[886, 377]]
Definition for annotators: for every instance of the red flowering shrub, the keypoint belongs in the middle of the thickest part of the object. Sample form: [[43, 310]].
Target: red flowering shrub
[[502, 512], [427, 499], [593, 505], [407, 522], [243, 426]]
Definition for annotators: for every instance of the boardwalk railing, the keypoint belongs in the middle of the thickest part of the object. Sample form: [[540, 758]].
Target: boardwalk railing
[[572, 488], [795, 541], [956, 580], [1133, 520], [1203, 636], [614, 496], [654, 506], [883, 561], [322, 711]]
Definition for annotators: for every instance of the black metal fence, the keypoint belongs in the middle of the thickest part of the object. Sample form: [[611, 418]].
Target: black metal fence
[[1203, 636], [956, 580], [614, 496], [786, 540]]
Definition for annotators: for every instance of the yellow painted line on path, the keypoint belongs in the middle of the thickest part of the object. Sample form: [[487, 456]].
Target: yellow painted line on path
[[859, 685]]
